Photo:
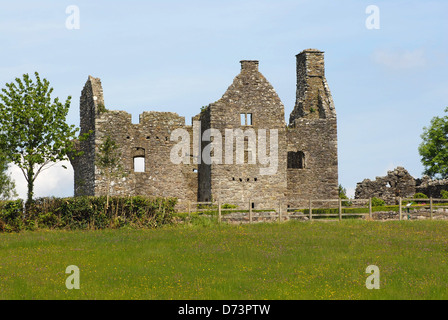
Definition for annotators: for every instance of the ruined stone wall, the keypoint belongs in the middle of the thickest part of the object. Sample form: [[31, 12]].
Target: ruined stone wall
[[91, 102], [397, 183], [309, 143], [312, 133], [249, 94], [432, 188], [150, 139], [318, 176], [313, 96]]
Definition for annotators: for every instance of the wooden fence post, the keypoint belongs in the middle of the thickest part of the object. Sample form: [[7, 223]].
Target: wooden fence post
[[340, 209], [399, 207], [370, 208], [430, 207], [219, 210], [311, 211], [250, 211], [280, 211]]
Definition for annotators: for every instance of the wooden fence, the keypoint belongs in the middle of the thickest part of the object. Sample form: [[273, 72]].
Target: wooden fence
[[284, 211], [422, 205]]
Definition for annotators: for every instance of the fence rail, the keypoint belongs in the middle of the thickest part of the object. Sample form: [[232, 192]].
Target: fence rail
[[287, 209], [282, 211]]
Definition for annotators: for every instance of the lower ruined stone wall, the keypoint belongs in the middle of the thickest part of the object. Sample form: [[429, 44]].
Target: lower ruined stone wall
[[397, 183], [431, 188]]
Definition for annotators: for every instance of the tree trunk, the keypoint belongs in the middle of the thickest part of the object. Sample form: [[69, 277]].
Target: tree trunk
[[30, 194]]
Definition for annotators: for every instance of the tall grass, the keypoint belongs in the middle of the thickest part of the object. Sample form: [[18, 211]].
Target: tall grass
[[204, 260]]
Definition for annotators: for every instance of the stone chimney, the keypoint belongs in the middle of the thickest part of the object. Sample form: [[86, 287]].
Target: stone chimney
[[249, 65], [313, 97]]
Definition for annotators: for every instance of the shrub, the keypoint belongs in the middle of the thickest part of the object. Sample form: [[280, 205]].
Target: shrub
[[228, 206], [420, 195], [87, 213], [11, 215], [444, 194], [377, 202]]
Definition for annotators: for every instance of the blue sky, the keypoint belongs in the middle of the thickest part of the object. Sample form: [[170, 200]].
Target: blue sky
[[177, 56]]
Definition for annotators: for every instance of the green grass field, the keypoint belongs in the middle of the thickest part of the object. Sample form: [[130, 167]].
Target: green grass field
[[294, 260]]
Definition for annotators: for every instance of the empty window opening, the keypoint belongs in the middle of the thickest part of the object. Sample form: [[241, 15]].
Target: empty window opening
[[139, 164], [135, 119], [247, 179], [388, 185], [253, 205], [128, 137], [148, 137], [241, 180], [296, 160], [246, 119], [255, 179], [233, 179], [195, 170]]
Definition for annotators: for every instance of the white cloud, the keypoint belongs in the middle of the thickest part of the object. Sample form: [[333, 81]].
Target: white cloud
[[401, 59], [54, 181]]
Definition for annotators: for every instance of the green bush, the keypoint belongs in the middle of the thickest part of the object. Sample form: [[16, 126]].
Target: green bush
[[420, 196], [87, 213], [444, 194], [11, 214], [228, 206], [377, 202]]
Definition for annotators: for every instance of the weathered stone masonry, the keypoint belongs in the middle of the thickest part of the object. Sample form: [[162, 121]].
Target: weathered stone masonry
[[307, 148], [399, 183]]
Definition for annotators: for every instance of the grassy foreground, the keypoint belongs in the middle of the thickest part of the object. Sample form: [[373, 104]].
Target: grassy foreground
[[294, 260]]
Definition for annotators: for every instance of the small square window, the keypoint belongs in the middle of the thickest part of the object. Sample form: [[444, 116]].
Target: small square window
[[246, 119], [139, 164]]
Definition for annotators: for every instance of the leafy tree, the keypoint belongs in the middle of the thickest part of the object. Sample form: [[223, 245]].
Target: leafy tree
[[342, 192], [434, 147], [343, 195], [7, 186], [108, 161], [33, 129]]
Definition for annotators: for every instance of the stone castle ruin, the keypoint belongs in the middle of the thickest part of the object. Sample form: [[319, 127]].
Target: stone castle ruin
[[306, 163]]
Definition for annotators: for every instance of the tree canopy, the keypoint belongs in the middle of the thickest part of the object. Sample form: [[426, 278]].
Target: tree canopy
[[7, 185], [33, 129], [434, 148]]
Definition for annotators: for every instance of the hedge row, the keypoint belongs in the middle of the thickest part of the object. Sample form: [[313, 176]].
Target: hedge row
[[82, 213]]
